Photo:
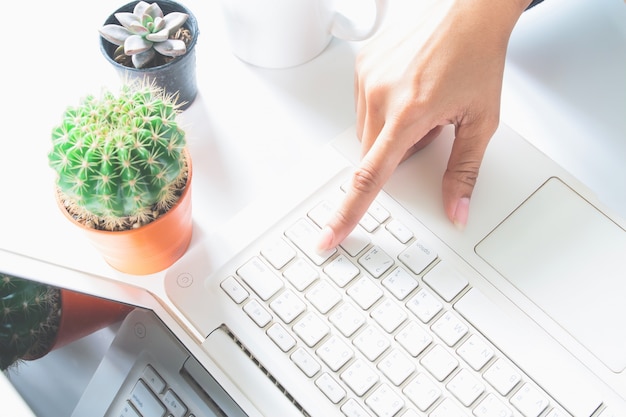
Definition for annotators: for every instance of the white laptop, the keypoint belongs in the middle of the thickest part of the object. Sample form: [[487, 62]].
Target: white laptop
[[520, 314], [12, 400], [147, 372]]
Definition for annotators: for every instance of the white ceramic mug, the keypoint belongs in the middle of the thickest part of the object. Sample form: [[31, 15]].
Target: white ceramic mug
[[286, 33]]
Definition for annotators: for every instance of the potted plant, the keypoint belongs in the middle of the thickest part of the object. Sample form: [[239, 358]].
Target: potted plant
[[154, 43], [36, 318], [124, 176]]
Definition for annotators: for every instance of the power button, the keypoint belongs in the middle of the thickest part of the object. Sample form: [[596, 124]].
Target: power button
[[184, 280]]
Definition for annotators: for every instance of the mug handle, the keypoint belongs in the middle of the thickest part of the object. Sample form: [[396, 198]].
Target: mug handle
[[346, 29]]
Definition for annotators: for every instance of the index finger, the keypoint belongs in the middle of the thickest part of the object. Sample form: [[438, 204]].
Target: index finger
[[367, 180]]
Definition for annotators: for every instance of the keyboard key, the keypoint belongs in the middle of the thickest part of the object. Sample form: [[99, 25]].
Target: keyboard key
[[422, 392], [607, 412], [529, 401], [424, 305], [400, 283], [414, 338], [465, 387], [396, 366], [334, 352], [305, 362], [360, 377], [330, 388], [281, 337], [174, 405], [300, 274], [287, 306], [446, 281], [311, 329], [369, 222], [399, 231], [305, 236], [376, 261], [260, 278], [491, 406], [128, 411], [278, 253], [447, 409], [323, 296], [352, 409], [439, 362], [322, 213], [377, 211], [371, 342], [475, 352], [557, 412], [364, 292], [389, 315], [257, 313], [153, 379], [417, 257], [347, 319], [384, 401], [502, 376], [145, 401], [356, 241], [341, 270], [449, 328], [234, 289]]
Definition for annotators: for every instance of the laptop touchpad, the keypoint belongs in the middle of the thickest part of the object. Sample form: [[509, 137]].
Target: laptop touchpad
[[570, 260]]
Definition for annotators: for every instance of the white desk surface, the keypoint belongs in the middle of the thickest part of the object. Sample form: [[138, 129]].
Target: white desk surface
[[564, 89]]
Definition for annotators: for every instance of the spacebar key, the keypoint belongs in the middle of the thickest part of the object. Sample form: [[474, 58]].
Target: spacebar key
[[553, 370]]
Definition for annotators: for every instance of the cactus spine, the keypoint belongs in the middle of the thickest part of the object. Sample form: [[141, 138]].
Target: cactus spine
[[119, 157], [29, 319]]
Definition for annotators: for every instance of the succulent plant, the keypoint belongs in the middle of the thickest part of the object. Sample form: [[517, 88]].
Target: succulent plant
[[29, 319], [120, 157], [146, 31]]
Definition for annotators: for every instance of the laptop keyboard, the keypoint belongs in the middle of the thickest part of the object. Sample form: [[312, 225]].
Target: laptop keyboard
[[151, 396], [373, 323]]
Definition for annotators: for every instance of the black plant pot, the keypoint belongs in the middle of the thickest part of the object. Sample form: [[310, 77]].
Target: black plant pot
[[175, 77]]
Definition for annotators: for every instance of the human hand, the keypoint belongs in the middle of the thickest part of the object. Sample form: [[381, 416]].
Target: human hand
[[411, 81]]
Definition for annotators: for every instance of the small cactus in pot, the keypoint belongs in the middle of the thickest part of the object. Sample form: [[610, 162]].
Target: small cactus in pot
[[121, 159], [36, 318]]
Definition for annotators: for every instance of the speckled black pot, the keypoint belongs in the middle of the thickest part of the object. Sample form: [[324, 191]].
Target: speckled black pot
[[176, 76]]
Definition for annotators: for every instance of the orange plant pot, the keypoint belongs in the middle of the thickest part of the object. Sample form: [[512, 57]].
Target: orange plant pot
[[82, 315], [150, 248]]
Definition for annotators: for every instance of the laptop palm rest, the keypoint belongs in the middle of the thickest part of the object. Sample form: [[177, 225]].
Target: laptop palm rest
[[568, 259]]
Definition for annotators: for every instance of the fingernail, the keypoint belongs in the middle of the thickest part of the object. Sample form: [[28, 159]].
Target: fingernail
[[325, 239], [461, 213]]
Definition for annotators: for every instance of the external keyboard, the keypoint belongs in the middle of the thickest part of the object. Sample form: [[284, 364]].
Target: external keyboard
[[378, 324]]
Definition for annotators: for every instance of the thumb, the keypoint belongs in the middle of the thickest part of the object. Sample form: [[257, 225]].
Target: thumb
[[461, 173]]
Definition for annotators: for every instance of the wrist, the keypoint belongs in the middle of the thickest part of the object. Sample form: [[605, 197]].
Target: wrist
[[495, 18]]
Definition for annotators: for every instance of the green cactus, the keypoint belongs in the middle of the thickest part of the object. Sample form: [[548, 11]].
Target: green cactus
[[119, 157], [29, 319]]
